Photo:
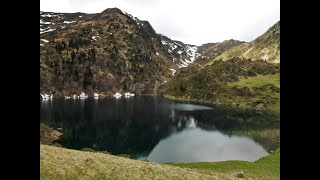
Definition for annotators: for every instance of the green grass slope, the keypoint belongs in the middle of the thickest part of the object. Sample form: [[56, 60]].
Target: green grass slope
[[265, 168], [267, 85], [61, 163]]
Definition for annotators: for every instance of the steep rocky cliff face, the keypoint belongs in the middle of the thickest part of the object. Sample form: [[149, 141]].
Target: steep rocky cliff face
[[106, 52]]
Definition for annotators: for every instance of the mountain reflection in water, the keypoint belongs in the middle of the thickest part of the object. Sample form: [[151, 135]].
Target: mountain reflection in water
[[146, 126]]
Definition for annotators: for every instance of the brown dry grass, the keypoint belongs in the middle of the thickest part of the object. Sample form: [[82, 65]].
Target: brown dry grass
[[61, 163]]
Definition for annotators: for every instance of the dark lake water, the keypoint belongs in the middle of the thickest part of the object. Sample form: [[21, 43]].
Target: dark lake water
[[161, 130]]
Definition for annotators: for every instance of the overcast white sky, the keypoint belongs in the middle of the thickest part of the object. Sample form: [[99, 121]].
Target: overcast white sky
[[190, 21]]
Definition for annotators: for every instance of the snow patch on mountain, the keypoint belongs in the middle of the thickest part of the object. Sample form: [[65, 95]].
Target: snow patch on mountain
[[173, 71], [42, 22], [68, 22], [44, 40], [182, 54], [164, 42], [46, 30], [49, 15]]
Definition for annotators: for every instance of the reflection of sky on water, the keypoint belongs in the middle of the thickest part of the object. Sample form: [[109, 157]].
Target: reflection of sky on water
[[44, 103], [196, 145], [190, 107]]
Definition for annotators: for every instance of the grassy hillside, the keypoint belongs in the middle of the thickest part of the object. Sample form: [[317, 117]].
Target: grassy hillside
[[237, 82], [268, 86], [266, 47], [61, 163]]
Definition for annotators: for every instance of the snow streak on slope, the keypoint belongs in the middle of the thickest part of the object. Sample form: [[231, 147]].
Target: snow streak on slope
[[173, 71], [50, 21]]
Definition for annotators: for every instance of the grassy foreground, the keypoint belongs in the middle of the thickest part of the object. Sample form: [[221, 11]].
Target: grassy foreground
[[61, 163], [265, 168]]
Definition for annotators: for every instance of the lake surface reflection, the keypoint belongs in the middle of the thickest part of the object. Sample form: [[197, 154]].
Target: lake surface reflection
[[197, 145], [158, 129]]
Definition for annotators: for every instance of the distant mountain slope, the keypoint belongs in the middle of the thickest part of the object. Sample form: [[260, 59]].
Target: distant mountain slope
[[182, 54], [237, 82], [265, 47], [106, 52], [209, 51]]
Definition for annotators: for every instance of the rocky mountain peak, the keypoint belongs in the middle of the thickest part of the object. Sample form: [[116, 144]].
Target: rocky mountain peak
[[106, 52], [111, 11]]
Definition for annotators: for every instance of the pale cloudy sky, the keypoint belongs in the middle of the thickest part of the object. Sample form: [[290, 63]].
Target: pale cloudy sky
[[190, 21]]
